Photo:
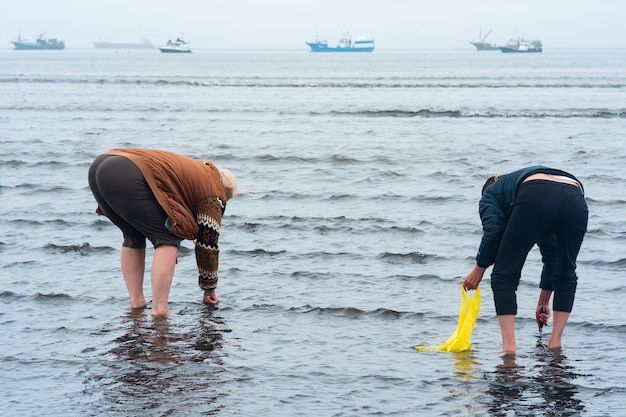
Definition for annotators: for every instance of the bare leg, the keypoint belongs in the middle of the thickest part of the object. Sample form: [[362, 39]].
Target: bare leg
[[163, 266], [507, 329], [558, 325], [133, 267]]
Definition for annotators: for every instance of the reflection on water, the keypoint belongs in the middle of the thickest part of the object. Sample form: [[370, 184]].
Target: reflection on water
[[466, 365], [162, 365], [463, 395], [545, 389], [554, 378], [507, 388]]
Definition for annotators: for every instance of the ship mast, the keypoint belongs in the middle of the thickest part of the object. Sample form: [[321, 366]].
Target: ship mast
[[485, 37]]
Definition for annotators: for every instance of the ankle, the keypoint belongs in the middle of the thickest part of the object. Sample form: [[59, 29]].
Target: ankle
[[161, 312], [160, 309], [138, 302], [554, 344], [509, 344]]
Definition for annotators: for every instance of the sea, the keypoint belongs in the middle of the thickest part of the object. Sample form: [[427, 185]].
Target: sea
[[358, 222]]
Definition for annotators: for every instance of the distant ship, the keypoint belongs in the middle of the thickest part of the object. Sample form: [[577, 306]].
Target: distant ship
[[40, 44], [481, 45], [177, 46], [122, 45], [361, 44], [522, 45]]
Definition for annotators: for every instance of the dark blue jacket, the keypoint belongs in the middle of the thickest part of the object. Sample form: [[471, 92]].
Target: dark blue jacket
[[495, 210]]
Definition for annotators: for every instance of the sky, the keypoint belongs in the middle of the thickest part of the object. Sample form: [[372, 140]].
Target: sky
[[287, 24]]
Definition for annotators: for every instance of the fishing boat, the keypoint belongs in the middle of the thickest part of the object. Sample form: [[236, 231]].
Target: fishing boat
[[481, 45], [146, 44], [522, 45], [360, 44], [40, 44], [177, 46]]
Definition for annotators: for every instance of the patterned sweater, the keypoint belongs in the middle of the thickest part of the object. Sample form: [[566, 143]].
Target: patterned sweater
[[209, 219]]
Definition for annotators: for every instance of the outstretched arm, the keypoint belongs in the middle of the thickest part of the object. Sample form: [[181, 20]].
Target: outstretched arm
[[209, 218], [473, 278]]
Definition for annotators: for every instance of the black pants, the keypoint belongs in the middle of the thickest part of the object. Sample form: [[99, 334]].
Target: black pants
[[125, 198], [541, 207]]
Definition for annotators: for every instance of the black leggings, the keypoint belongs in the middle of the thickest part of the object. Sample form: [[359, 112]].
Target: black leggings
[[125, 198], [542, 207]]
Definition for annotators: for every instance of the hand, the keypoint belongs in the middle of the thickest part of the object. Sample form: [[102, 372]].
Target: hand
[[473, 278], [210, 297], [542, 313]]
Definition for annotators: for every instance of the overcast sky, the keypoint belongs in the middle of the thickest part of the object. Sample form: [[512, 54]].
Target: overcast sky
[[287, 24]]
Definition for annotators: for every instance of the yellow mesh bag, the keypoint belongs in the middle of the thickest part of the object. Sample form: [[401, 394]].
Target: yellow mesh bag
[[461, 339]]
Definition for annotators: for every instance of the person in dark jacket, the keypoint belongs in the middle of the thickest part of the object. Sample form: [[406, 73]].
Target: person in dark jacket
[[534, 205]]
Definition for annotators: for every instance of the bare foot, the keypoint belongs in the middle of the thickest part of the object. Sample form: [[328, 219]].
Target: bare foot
[[138, 303], [162, 313], [506, 352], [554, 345]]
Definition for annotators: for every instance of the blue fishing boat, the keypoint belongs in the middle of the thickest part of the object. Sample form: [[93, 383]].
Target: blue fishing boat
[[360, 44]]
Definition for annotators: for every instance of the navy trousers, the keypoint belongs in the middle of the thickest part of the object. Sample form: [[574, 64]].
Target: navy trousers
[[543, 210]]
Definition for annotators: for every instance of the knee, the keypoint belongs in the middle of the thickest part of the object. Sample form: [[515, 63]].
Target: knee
[[565, 283]]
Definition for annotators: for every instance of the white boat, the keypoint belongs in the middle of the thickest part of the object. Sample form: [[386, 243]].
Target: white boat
[[177, 46]]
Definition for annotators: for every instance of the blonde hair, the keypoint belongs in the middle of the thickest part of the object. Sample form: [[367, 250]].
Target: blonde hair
[[229, 182]]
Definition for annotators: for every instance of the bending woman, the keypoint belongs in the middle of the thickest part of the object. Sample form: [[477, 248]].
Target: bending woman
[[163, 197], [534, 205]]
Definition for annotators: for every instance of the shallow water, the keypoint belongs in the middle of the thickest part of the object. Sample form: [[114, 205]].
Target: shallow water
[[358, 225]]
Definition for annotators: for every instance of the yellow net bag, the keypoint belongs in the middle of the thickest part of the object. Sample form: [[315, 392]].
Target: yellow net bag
[[461, 339]]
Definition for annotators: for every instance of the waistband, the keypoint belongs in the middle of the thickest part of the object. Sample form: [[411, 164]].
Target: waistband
[[549, 183]]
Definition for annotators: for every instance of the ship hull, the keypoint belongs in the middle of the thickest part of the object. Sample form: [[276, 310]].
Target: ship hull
[[323, 48], [31, 46], [482, 46], [175, 51], [508, 50]]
